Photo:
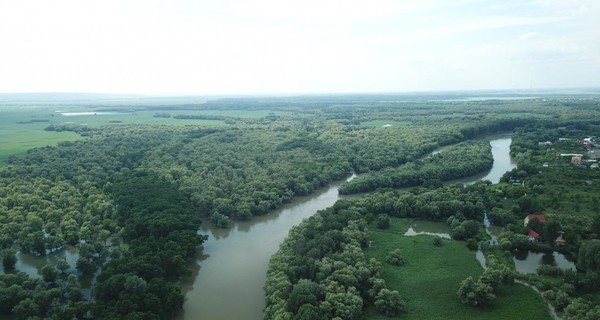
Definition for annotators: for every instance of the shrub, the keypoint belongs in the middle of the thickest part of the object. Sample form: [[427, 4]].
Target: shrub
[[549, 295], [475, 294], [437, 241], [562, 300], [548, 270], [472, 244], [395, 258], [389, 302], [505, 244], [383, 221]]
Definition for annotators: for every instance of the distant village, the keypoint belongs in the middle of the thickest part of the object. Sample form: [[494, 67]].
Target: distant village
[[588, 157]]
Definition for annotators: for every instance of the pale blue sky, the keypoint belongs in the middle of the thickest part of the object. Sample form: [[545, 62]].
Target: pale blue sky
[[309, 46]]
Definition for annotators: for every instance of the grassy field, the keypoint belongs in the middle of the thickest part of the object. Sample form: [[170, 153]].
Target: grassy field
[[137, 117], [430, 279], [22, 126]]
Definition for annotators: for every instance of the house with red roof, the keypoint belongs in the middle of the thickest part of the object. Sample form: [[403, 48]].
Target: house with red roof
[[531, 233], [539, 217]]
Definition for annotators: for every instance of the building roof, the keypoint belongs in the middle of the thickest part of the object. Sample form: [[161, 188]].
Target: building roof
[[533, 234], [539, 217]]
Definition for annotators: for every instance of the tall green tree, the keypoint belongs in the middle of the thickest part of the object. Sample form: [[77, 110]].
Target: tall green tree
[[9, 259], [475, 293]]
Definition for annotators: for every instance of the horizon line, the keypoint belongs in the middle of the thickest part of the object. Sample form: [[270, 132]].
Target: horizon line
[[133, 95]]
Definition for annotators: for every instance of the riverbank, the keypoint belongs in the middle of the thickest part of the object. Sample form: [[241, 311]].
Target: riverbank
[[234, 261]]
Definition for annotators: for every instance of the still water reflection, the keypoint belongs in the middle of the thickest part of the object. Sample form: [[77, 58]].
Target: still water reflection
[[32, 264], [528, 261]]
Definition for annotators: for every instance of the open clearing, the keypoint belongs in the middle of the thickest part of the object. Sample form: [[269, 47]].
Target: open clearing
[[431, 277], [22, 127]]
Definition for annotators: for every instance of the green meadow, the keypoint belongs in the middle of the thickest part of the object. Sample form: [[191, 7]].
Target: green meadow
[[429, 280], [22, 126]]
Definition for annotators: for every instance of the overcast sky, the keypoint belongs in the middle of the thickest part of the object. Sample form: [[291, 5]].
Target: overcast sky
[[301, 46]]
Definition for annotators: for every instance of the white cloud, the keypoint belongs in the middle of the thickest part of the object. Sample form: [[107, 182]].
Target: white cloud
[[236, 46], [334, 11], [530, 36]]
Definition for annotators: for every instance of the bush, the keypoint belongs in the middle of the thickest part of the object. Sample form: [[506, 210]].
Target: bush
[[492, 277], [505, 244], [383, 221], [549, 295], [562, 300], [475, 294], [395, 258], [568, 288], [437, 241], [466, 229], [472, 244], [548, 270], [389, 302]]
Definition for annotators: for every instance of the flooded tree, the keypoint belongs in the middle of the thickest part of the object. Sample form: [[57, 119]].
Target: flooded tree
[[9, 259]]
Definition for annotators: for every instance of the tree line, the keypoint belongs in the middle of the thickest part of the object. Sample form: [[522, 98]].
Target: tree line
[[461, 160]]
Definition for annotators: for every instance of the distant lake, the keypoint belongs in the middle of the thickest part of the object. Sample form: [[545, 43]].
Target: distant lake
[[88, 113]]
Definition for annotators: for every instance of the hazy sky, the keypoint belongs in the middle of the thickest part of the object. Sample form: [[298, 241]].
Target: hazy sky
[[301, 46]]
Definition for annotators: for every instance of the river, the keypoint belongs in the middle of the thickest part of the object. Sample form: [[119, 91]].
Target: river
[[229, 283], [230, 271], [502, 161]]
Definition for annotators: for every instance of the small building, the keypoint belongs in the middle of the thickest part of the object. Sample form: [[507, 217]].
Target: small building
[[534, 236], [539, 217], [560, 241], [545, 165], [576, 160], [545, 143], [594, 166]]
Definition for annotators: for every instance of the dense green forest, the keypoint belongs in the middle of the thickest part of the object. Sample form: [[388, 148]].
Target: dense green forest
[[549, 183], [130, 196], [459, 161]]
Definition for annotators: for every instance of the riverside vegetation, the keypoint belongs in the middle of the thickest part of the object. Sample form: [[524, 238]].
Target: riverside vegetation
[[130, 197]]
